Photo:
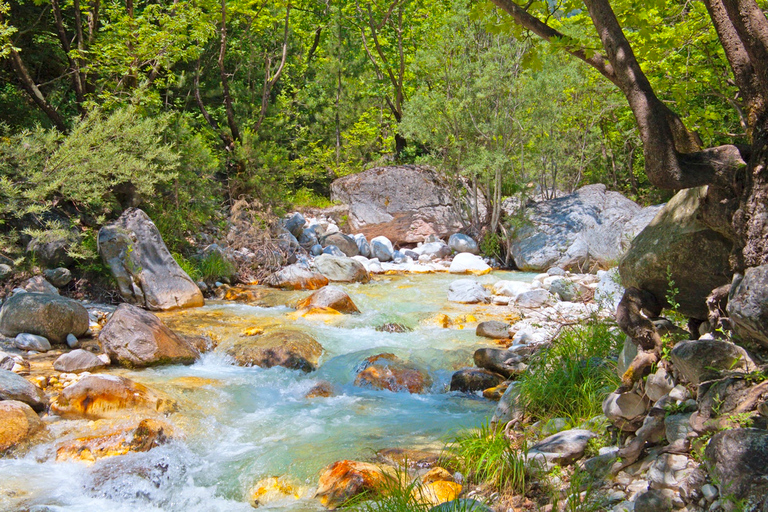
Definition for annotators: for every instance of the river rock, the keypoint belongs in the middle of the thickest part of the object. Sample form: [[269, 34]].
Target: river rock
[[332, 250], [704, 359], [566, 289], [108, 396], [296, 277], [15, 387], [625, 410], [294, 224], [382, 249], [563, 447], [653, 500], [470, 380], [499, 361], [510, 407], [144, 269], [363, 247], [468, 263], [535, 298], [405, 203], [285, 347], [5, 271], [345, 243], [737, 459], [39, 284], [387, 371], [434, 250], [437, 492], [459, 243], [78, 361], [342, 269], [574, 231], [329, 297], [26, 341], [748, 305], [136, 338], [137, 438], [50, 316], [18, 422], [58, 277], [678, 240], [658, 384], [346, 478], [493, 329], [287, 242], [511, 288], [468, 291]]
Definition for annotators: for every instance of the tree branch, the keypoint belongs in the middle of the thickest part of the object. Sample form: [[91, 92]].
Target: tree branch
[[270, 81], [223, 73]]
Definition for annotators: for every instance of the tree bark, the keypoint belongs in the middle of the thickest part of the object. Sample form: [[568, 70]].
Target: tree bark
[[34, 92], [271, 79], [224, 78]]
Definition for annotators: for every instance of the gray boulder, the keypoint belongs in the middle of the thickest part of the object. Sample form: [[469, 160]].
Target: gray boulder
[[296, 277], [704, 359], [5, 271], [136, 338], [566, 289], [653, 500], [459, 242], [405, 203], [332, 250], [434, 250], [316, 250], [535, 298], [26, 341], [287, 242], [493, 329], [38, 284], [499, 361], [50, 316], [737, 459], [15, 387], [626, 410], [363, 247], [341, 269], [382, 249], [469, 380], [58, 277], [144, 269], [468, 291], [345, 243], [748, 305], [510, 407], [677, 239], [575, 231], [563, 447], [308, 238], [295, 224], [78, 361]]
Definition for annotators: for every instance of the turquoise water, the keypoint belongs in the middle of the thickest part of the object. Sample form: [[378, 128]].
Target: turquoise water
[[239, 425]]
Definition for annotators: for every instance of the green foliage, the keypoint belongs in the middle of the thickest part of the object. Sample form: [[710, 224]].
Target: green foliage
[[486, 456], [215, 266], [307, 198], [187, 266], [395, 494], [490, 245], [571, 378], [672, 292]]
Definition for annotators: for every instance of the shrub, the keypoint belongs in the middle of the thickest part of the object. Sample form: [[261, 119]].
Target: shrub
[[215, 266], [571, 378]]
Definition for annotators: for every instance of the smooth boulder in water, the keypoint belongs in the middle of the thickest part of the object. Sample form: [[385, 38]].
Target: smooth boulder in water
[[468, 291], [382, 249], [345, 243], [18, 422], [296, 277], [16, 387], [387, 371], [470, 380], [26, 341], [50, 316], [331, 297], [142, 265], [342, 269], [78, 361], [285, 347], [468, 263], [136, 338], [493, 329]]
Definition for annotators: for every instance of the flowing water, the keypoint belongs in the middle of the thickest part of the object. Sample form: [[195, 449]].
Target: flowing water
[[239, 425]]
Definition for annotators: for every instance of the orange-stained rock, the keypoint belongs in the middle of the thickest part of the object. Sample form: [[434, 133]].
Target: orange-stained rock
[[321, 389], [105, 396], [329, 297], [296, 277], [495, 393], [17, 423], [346, 478], [438, 492], [138, 438], [387, 371], [286, 347], [436, 474], [272, 489]]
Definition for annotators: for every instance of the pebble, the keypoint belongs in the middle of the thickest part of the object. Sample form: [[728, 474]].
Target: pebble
[[710, 492], [72, 341]]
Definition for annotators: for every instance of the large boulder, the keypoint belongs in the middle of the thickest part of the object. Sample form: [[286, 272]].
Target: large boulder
[[345, 243], [78, 361], [50, 316], [331, 297], [737, 459], [289, 348], [468, 263], [500, 361], [704, 359], [563, 447], [109, 396], [136, 338], [468, 291], [459, 242], [748, 305], [345, 479], [17, 423], [574, 231], [144, 269], [16, 387], [296, 277], [679, 243], [404, 203], [387, 371], [382, 249], [470, 380], [341, 269]]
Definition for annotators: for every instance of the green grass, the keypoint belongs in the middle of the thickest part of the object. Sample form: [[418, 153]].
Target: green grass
[[308, 198], [571, 378], [396, 494], [187, 266], [486, 456], [214, 266]]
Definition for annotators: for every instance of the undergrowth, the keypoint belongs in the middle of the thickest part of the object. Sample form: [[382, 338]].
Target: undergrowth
[[571, 378]]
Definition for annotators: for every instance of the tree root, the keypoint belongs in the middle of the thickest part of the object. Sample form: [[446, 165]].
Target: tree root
[[635, 324]]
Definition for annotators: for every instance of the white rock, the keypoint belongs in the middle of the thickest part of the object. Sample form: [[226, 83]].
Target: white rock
[[709, 491], [467, 291], [466, 262], [510, 288], [534, 299]]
